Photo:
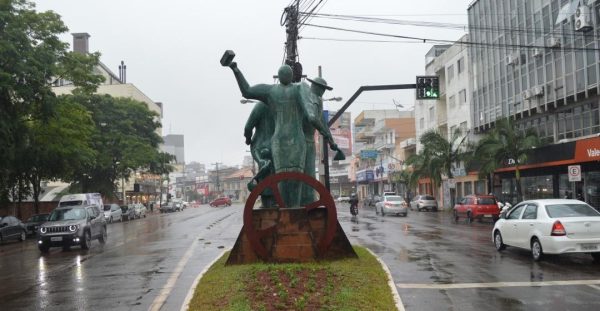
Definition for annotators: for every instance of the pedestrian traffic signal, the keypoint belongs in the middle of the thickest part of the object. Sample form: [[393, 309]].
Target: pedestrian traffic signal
[[428, 87]]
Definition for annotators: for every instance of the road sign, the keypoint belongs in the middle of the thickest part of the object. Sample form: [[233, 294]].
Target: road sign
[[574, 172]]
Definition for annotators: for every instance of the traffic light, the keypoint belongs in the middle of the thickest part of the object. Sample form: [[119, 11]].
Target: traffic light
[[428, 87]]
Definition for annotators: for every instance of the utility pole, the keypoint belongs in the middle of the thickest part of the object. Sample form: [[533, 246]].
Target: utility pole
[[218, 181], [289, 18]]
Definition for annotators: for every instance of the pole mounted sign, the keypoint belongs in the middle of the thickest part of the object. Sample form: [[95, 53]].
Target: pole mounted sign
[[574, 172]]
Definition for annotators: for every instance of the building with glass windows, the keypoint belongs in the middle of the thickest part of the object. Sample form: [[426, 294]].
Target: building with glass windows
[[538, 63]]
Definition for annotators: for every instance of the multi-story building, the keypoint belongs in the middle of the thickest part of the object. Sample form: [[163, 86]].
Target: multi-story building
[[115, 86], [341, 130], [377, 138], [235, 185], [451, 112], [537, 62], [174, 145]]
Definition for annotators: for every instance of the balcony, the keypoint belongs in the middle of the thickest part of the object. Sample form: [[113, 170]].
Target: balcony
[[380, 145], [365, 134], [409, 143]]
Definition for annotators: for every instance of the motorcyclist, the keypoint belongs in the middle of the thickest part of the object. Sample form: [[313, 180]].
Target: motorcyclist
[[353, 204]]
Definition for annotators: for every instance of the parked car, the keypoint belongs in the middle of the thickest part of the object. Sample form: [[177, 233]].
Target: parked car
[[391, 204], [220, 201], [371, 200], [128, 212], [477, 206], [72, 225], [424, 202], [388, 193], [32, 224], [178, 206], [550, 226], [112, 212], [12, 228], [167, 207], [140, 210]]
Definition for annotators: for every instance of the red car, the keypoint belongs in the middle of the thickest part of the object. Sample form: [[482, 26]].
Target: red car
[[477, 206], [220, 201]]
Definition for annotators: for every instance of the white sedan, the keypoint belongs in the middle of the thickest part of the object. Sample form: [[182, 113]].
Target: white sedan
[[550, 226]]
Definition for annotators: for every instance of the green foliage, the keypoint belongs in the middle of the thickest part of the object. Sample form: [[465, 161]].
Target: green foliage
[[31, 57], [124, 140], [504, 144]]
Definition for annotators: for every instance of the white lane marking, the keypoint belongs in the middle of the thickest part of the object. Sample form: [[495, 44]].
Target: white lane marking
[[497, 284], [594, 287], [186, 302], [164, 293], [397, 299]]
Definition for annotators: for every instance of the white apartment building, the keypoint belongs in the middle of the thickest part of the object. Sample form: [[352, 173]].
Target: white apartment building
[[451, 111]]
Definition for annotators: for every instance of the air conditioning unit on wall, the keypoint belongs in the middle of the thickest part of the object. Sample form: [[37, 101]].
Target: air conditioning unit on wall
[[537, 53], [537, 91], [583, 19], [526, 94], [512, 60]]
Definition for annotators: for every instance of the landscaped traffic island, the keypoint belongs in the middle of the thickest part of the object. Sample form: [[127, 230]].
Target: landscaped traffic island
[[348, 284]]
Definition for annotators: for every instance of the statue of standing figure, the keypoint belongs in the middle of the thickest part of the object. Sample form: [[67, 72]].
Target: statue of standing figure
[[262, 123], [288, 105], [317, 89]]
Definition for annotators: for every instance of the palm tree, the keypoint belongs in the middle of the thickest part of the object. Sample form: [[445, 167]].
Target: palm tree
[[421, 167], [444, 153], [506, 144]]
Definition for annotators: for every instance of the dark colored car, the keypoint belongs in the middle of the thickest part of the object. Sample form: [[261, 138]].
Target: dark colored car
[[72, 225], [477, 206], [12, 228], [221, 201], [33, 223]]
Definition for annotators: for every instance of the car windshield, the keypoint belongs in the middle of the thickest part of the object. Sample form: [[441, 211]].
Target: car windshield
[[106, 208], [428, 197], [67, 214], [487, 201], [393, 198], [36, 218], [571, 210], [70, 203]]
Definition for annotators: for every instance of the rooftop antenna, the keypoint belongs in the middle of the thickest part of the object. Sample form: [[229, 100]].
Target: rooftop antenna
[[398, 105]]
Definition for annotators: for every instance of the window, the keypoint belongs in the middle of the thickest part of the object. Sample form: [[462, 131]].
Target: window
[[450, 72], [422, 123], [452, 101], [530, 212], [460, 65], [516, 212], [462, 96], [571, 210], [431, 113]]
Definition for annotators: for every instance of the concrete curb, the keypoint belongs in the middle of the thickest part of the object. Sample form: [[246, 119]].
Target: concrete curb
[[186, 302], [391, 284]]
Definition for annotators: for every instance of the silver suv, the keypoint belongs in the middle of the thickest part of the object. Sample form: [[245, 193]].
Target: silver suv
[[72, 225]]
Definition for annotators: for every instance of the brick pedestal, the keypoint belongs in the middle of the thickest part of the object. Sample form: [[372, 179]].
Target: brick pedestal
[[295, 238]]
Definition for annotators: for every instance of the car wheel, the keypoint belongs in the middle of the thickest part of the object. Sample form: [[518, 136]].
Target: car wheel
[[537, 253], [87, 240], [66, 248], [43, 248], [434, 209], [23, 236], [103, 236], [498, 242], [596, 257]]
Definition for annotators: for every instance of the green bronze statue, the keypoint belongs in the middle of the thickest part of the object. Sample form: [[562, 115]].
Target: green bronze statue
[[290, 105], [258, 133], [317, 89]]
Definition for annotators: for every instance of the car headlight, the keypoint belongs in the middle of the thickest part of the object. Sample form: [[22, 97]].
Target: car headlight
[[43, 230], [73, 228]]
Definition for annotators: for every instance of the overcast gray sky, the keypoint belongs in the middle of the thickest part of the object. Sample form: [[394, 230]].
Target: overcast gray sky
[[172, 51]]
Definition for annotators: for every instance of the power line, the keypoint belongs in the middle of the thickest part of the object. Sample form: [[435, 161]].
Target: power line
[[357, 40], [469, 43], [461, 27]]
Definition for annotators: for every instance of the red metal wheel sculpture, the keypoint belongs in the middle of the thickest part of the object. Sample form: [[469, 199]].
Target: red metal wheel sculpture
[[325, 200]]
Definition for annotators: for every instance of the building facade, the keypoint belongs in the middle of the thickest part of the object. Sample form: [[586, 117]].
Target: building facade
[[537, 62], [451, 112]]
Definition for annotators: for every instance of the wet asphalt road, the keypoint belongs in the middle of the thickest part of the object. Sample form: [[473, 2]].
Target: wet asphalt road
[[441, 265], [436, 265]]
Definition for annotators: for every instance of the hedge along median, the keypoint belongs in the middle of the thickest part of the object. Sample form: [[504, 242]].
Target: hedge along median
[[349, 284]]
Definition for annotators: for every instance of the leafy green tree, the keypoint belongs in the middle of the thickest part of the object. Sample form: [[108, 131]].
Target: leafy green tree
[[124, 139], [444, 154], [505, 144], [59, 147], [421, 168], [31, 58]]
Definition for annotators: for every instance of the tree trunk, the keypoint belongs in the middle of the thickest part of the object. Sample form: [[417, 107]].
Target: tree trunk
[[518, 181], [37, 188]]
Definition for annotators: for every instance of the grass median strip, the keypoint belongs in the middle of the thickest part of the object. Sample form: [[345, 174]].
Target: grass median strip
[[350, 284]]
